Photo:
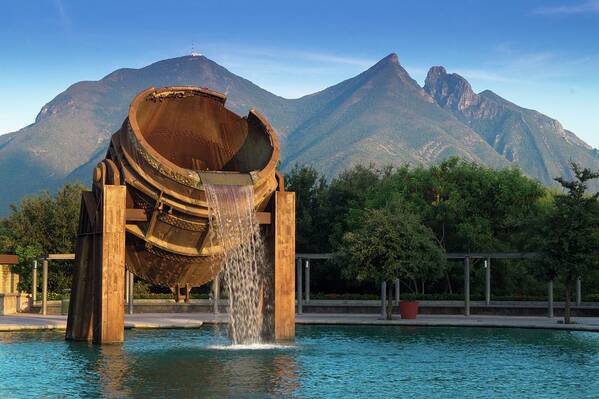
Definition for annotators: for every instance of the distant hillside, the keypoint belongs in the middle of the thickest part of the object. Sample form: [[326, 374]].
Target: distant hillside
[[381, 116], [540, 146], [74, 128]]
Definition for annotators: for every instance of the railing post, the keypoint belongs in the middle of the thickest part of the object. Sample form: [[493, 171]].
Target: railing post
[[397, 291], [307, 281], [127, 287], [578, 292], [488, 281], [45, 287], [383, 299], [131, 283], [298, 285], [467, 286], [550, 299], [34, 282]]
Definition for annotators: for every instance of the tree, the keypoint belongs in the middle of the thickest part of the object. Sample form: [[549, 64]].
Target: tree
[[43, 224], [309, 187], [389, 243], [470, 208], [571, 233]]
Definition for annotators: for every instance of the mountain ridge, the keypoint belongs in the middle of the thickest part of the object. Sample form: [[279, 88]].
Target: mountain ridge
[[381, 115], [537, 143]]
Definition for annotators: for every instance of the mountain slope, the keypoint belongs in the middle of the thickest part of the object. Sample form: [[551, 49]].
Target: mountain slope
[[537, 143], [74, 128], [380, 116]]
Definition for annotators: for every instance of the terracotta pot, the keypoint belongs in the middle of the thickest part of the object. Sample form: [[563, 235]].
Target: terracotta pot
[[408, 309]]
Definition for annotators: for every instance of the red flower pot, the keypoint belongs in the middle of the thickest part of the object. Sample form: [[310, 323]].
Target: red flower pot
[[408, 309]]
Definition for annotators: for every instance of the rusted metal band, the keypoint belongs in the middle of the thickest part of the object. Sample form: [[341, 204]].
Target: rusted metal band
[[171, 256], [180, 223]]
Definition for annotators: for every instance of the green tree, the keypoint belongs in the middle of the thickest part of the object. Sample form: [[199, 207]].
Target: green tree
[[571, 233], [43, 224], [311, 228], [389, 243], [470, 208], [348, 193]]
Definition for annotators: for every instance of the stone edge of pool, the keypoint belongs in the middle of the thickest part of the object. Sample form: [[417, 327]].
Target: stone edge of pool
[[27, 322]]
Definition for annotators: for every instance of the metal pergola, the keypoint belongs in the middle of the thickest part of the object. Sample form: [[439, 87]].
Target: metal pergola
[[45, 260], [303, 277]]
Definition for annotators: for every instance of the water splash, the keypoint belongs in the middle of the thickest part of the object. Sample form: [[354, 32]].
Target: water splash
[[251, 347], [233, 219]]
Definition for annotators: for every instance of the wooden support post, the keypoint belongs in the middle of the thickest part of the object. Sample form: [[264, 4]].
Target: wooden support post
[[467, 286], [34, 282], [177, 293], [109, 309], [284, 257], [397, 291], [79, 322], [187, 293], [45, 287]]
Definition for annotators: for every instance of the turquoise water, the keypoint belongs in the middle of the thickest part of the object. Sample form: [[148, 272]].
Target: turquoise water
[[326, 361]]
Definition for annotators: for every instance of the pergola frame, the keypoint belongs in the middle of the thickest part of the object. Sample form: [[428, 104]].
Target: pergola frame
[[303, 277]]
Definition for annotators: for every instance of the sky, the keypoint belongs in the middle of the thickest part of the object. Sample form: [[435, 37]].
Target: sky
[[542, 55]]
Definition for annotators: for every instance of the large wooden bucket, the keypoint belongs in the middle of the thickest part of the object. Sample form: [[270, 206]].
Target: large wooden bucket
[[173, 139]]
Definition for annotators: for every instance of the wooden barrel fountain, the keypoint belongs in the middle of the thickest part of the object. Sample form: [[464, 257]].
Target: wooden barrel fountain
[[148, 212], [174, 140]]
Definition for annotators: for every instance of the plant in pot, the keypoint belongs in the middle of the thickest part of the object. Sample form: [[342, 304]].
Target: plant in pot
[[388, 243]]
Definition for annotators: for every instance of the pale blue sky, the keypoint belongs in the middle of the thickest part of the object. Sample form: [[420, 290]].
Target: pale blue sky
[[539, 54]]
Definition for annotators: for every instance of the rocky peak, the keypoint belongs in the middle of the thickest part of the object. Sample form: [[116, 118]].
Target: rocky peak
[[449, 90], [392, 58]]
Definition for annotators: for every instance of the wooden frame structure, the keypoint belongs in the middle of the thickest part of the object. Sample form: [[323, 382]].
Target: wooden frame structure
[[149, 207], [97, 305]]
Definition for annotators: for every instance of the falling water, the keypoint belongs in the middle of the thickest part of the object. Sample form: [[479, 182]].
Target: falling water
[[233, 219]]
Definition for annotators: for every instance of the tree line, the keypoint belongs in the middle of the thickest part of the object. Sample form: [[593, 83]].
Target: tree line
[[383, 223], [399, 222]]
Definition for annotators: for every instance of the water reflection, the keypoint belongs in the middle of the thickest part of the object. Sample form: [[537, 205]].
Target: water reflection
[[328, 361], [166, 369]]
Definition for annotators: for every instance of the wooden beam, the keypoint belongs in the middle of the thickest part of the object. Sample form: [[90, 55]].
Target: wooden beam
[[9, 259], [109, 309], [284, 266], [264, 217], [60, 257], [314, 256], [136, 215]]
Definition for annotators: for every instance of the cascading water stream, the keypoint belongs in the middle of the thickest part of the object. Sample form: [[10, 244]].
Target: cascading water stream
[[233, 219]]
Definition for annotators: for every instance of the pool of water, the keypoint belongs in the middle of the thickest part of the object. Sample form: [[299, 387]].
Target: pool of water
[[326, 361]]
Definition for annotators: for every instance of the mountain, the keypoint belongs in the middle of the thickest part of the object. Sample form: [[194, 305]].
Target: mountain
[[74, 128], [381, 116], [540, 145]]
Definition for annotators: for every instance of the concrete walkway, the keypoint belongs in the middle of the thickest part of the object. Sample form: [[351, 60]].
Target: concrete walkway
[[29, 321], [25, 321]]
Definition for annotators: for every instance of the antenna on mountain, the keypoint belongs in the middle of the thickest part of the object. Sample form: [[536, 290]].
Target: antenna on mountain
[[193, 52]]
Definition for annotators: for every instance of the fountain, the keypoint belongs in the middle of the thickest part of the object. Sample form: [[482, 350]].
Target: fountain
[[233, 218], [187, 190]]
